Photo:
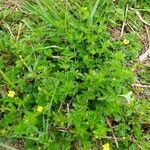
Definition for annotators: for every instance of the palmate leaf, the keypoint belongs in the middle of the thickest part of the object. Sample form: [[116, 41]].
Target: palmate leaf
[[128, 97]]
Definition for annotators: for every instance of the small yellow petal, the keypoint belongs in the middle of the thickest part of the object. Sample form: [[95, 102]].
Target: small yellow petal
[[125, 42], [39, 108], [106, 146], [11, 93]]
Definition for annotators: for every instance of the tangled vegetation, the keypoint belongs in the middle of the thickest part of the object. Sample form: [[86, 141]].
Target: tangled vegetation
[[66, 75]]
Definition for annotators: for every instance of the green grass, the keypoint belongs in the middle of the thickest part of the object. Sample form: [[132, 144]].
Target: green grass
[[61, 56]]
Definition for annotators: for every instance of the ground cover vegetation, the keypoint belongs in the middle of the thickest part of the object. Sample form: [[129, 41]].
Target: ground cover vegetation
[[68, 74]]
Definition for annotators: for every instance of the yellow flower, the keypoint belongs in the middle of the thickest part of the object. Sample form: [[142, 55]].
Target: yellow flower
[[40, 109], [11, 93], [125, 42], [106, 146], [3, 132]]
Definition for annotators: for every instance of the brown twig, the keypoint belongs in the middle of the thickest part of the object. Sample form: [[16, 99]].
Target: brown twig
[[113, 134], [140, 17], [10, 31], [133, 140], [1, 22], [19, 31], [111, 137], [68, 111], [148, 35], [124, 22], [64, 129], [144, 56], [140, 86], [56, 57]]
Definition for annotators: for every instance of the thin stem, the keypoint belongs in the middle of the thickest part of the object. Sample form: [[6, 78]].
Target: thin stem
[[7, 79], [124, 22], [7, 147]]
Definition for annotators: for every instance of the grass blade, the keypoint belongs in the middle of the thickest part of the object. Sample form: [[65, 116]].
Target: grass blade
[[93, 12], [6, 78], [7, 147]]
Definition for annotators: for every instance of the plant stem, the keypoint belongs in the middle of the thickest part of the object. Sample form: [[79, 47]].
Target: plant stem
[[7, 147], [6, 78]]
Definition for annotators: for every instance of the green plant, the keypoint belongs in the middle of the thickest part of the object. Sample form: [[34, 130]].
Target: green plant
[[71, 79]]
